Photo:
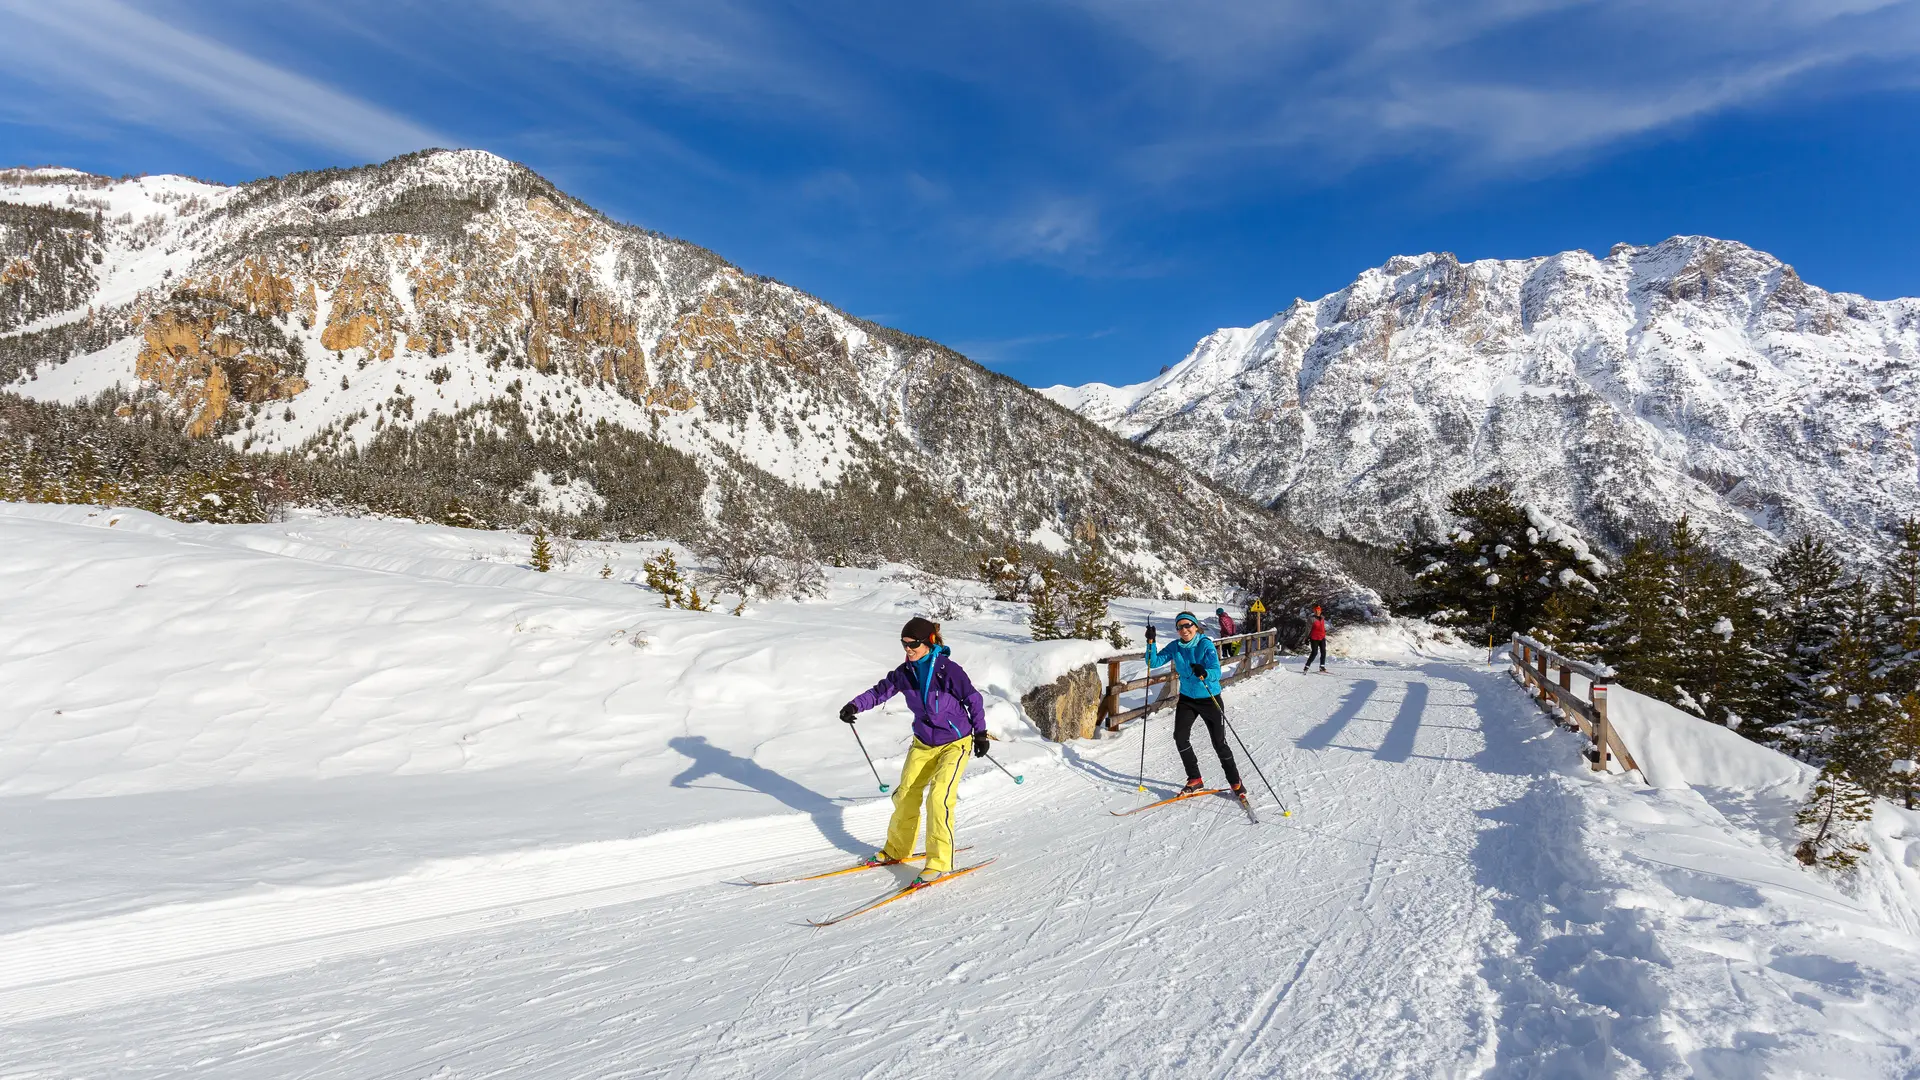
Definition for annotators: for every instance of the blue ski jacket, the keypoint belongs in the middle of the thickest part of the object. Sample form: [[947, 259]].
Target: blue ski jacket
[[1183, 655]]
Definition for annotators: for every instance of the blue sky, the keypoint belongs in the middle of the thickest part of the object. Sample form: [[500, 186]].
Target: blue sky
[[1065, 190]]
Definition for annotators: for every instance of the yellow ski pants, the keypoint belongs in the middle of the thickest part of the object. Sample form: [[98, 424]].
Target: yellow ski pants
[[932, 773]]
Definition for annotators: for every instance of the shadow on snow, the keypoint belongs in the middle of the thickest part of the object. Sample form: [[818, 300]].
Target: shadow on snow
[[710, 760]]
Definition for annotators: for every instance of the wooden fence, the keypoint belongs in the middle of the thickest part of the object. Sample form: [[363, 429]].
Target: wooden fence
[[1553, 675], [1256, 653]]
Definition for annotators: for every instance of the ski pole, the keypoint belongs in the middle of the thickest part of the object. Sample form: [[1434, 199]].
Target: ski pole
[[1284, 812], [1143, 751], [869, 757], [1004, 769]]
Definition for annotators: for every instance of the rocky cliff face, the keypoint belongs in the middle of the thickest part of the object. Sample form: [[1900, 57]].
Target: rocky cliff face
[[1696, 376], [453, 314]]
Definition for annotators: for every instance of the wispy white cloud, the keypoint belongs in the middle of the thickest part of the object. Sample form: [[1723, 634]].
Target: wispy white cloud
[[1479, 85], [1005, 351], [104, 61], [1052, 229], [728, 49]]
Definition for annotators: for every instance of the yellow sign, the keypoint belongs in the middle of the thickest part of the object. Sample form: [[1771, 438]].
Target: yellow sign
[[1257, 607]]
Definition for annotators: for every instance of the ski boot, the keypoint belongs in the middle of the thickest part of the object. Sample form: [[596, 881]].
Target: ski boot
[[929, 876], [1193, 785], [878, 858], [1239, 791]]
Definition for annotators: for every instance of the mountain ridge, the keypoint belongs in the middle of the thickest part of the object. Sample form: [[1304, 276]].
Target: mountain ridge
[[1696, 376], [462, 332]]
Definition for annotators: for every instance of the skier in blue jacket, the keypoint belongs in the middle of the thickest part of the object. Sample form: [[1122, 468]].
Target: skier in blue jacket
[[1197, 662]]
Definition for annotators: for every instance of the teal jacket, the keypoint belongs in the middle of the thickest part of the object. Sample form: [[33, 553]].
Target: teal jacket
[[1183, 655]]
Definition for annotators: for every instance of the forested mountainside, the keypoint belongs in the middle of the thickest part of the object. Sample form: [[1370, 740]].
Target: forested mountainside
[[447, 335], [1696, 377]]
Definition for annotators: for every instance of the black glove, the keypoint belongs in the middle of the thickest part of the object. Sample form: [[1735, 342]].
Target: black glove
[[979, 744], [1200, 672], [1150, 633], [848, 712]]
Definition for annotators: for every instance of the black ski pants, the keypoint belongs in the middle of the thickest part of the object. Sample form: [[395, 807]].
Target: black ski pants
[[1207, 709], [1319, 649]]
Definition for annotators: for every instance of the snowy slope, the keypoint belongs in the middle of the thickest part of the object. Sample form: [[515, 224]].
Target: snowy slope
[[1695, 376], [428, 813]]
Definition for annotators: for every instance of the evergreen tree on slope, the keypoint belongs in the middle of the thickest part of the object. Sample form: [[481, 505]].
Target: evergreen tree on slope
[[1858, 713], [1497, 567], [1802, 602]]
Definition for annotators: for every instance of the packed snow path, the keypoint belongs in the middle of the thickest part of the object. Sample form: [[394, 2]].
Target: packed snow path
[[356, 799], [1368, 935]]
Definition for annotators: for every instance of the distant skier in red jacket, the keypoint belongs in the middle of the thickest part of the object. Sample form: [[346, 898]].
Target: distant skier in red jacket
[[1316, 642], [1227, 630]]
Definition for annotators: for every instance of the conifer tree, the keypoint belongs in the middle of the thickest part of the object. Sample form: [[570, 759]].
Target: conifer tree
[[1732, 672], [1567, 624], [1828, 820], [1903, 745], [1049, 620], [1802, 603], [1858, 713], [664, 576], [1692, 612], [1636, 629], [1004, 574], [455, 513], [1682, 624], [1497, 566], [1099, 582], [1900, 611], [541, 557]]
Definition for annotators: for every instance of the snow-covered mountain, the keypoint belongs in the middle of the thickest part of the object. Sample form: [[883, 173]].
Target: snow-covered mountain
[[454, 324], [1695, 376]]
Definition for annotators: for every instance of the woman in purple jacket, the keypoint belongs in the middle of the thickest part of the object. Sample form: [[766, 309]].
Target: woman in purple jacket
[[947, 718]]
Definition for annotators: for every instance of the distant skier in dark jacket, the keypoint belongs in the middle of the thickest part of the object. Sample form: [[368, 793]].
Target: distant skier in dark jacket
[[1227, 630], [1316, 642], [1197, 663], [948, 720]]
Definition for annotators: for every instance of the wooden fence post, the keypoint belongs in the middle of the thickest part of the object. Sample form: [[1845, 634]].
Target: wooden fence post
[[1543, 669], [1110, 703], [1566, 679], [1601, 730]]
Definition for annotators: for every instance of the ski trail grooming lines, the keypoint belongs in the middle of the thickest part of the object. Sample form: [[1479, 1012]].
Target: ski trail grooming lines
[[907, 891], [854, 869], [1168, 801], [869, 757], [1284, 812]]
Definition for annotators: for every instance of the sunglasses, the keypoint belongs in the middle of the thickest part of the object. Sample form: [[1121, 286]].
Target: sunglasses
[[1184, 625], [911, 643]]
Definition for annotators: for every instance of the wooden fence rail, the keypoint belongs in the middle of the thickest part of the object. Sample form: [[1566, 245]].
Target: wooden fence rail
[[1255, 653], [1553, 675]]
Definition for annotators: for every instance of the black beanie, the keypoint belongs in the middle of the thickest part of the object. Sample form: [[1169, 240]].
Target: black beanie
[[920, 628]]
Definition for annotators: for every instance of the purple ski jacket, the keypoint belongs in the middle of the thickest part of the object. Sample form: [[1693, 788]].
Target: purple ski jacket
[[950, 709]]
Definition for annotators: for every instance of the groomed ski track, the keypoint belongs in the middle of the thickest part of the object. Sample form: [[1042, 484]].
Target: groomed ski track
[[1384, 930]]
